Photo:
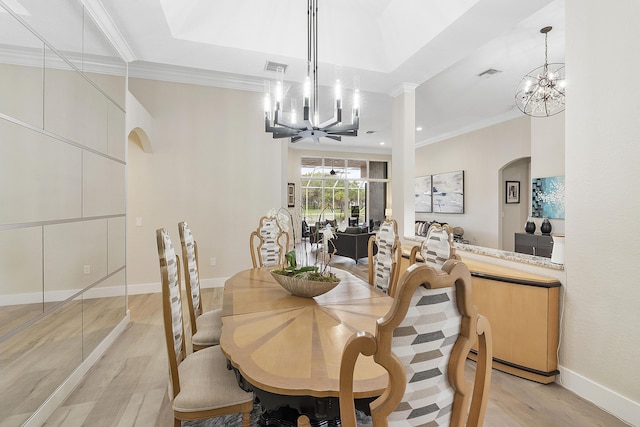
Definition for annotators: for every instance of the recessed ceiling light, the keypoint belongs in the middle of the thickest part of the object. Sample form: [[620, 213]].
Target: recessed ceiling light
[[419, 128], [382, 143]]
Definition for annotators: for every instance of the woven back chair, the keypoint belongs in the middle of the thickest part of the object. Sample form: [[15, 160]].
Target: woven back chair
[[201, 385], [384, 266], [268, 243], [205, 325], [423, 343], [436, 248]]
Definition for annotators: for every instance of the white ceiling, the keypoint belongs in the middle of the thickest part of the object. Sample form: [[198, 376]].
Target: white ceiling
[[439, 46]]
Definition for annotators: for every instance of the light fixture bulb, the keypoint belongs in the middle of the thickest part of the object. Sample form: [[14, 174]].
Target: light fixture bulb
[[267, 103]]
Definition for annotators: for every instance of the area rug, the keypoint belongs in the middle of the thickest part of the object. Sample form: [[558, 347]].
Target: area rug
[[236, 420]]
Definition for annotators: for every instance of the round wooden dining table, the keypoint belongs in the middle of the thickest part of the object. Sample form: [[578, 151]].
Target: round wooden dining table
[[287, 349]]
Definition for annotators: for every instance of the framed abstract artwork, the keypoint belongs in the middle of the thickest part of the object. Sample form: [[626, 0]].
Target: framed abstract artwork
[[422, 200], [512, 192], [547, 197], [448, 192]]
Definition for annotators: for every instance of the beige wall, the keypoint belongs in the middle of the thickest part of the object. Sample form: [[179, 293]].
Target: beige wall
[[212, 165], [548, 157], [481, 155], [601, 337]]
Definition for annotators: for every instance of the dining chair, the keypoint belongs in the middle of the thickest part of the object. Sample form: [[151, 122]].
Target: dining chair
[[384, 266], [201, 385], [205, 325], [272, 243], [423, 342], [436, 248]]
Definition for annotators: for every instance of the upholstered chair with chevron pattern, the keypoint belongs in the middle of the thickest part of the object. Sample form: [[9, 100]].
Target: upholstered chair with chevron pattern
[[423, 342], [436, 248], [268, 243], [205, 325], [384, 266], [201, 385]]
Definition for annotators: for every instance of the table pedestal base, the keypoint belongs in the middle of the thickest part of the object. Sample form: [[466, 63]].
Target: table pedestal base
[[283, 411]]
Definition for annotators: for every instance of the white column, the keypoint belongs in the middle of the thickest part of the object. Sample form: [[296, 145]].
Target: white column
[[403, 124], [600, 338]]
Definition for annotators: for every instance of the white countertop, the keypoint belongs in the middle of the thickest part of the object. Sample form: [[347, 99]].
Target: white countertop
[[497, 253]]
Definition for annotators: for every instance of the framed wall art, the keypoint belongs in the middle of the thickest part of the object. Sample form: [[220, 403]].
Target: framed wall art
[[512, 192], [291, 195], [547, 197], [422, 200], [448, 192]]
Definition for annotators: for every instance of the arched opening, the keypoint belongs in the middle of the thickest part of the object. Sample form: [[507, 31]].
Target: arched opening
[[139, 137], [514, 215]]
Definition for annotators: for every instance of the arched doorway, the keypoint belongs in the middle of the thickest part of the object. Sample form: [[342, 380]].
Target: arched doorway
[[514, 215]]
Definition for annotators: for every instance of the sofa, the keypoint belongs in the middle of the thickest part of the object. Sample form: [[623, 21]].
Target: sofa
[[422, 227], [353, 242]]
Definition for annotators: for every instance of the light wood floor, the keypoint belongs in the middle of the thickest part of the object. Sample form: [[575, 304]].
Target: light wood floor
[[128, 386]]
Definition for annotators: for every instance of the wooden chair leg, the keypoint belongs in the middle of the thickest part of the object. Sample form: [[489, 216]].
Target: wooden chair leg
[[177, 423], [246, 419]]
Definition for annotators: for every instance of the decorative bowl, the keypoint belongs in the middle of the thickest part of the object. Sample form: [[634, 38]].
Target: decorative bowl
[[304, 287]]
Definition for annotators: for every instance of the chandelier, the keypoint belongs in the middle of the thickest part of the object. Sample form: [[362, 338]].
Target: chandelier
[[541, 91], [310, 127]]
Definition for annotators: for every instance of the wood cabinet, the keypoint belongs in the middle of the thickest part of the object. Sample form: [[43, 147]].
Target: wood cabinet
[[534, 244], [522, 309]]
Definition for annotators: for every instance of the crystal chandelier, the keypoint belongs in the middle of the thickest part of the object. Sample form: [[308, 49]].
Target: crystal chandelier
[[310, 127], [541, 91]]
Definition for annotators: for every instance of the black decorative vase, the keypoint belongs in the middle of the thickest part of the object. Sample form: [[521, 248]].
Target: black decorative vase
[[545, 228], [530, 226]]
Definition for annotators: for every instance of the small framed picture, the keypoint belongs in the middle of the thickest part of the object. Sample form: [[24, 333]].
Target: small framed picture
[[512, 192], [291, 195]]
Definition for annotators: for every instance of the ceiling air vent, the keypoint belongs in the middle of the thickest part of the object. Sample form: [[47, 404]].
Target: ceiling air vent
[[273, 66], [488, 73]]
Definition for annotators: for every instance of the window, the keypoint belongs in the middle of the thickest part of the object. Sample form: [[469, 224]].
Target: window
[[337, 188]]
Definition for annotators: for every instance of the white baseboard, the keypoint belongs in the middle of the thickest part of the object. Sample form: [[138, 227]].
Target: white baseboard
[[58, 397], [98, 292], [625, 409], [151, 288]]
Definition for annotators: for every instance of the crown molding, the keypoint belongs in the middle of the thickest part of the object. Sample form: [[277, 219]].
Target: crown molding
[[171, 73], [106, 24], [510, 115], [403, 88]]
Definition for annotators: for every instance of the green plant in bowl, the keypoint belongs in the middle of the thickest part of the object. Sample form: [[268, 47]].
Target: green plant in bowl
[[308, 272]]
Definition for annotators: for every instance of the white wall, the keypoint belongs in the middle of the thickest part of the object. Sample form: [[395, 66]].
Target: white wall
[[212, 165], [601, 337], [481, 155]]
